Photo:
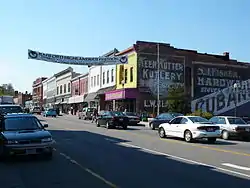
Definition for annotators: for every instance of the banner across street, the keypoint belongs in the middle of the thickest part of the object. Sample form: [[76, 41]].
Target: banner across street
[[76, 60]]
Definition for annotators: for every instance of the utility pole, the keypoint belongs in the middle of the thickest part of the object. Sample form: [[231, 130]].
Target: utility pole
[[158, 79]]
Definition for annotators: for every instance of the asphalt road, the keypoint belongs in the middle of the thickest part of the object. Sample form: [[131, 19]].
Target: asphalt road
[[88, 156]]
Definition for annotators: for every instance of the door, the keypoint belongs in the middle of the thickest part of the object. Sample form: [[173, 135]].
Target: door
[[175, 126], [181, 127]]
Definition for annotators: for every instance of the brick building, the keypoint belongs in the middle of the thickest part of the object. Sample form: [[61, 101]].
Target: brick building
[[37, 91]]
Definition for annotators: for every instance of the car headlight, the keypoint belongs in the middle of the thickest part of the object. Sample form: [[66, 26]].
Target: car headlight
[[47, 139], [12, 142]]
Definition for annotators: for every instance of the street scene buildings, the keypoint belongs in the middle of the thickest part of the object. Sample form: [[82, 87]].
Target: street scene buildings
[[203, 81]]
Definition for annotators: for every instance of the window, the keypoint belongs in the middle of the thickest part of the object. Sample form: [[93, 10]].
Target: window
[[94, 81], [197, 119], [221, 120], [176, 120], [131, 74], [98, 79], [107, 77], [112, 75], [60, 89], [68, 87], [91, 82], [238, 121], [103, 78], [125, 75], [57, 90], [184, 121], [214, 120], [64, 88]]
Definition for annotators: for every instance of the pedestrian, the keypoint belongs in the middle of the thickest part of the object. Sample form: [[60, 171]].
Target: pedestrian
[[94, 115]]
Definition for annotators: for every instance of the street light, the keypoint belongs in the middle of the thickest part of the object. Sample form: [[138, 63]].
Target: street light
[[235, 86]]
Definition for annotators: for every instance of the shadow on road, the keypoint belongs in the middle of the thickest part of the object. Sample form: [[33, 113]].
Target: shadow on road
[[130, 167]]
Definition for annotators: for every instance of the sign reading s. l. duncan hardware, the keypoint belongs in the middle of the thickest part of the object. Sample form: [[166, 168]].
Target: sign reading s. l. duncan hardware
[[75, 60], [214, 91]]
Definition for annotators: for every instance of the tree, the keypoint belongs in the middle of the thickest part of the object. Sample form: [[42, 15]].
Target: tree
[[176, 99], [7, 89]]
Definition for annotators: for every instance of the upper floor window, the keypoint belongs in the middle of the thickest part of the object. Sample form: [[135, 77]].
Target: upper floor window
[[57, 90], [112, 75], [68, 87], [131, 74], [121, 75], [94, 81], [107, 77], [64, 88], [103, 78], [60, 89], [125, 75], [91, 82], [98, 79]]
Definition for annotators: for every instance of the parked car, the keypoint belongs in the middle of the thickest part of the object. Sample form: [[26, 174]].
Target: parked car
[[86, 113], [36, 110], [134, 119], [23, 134], [10, 108], [163, 118], [190, 128], [50, 113], [232, 127], [112, 119]]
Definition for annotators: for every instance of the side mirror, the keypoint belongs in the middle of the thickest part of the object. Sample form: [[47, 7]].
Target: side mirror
[[45, 125]]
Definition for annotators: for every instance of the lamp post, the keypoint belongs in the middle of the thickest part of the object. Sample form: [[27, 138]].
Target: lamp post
[[158, 79], [123, 92], [235, 86]]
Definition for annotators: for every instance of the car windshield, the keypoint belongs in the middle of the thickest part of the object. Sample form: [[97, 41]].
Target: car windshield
[[130, 113], [176, 114], [199, 120], [116, 113], [236, 121], [10, 109], [21, 123]]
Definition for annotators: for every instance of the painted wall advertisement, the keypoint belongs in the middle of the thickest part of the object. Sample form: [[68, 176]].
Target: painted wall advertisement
[[214, 90], [171, 74]]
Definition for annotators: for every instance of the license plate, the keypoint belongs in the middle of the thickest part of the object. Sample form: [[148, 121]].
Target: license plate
[[30, 151], [210, 129], [248, 129], [121, 119]]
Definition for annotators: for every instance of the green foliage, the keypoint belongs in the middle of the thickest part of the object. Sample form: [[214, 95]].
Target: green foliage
[[206, 115], [7, 89], [176, 99]]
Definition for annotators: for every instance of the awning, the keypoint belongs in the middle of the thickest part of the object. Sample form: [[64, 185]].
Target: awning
[[91, 97], [76, 99], [104, 90]]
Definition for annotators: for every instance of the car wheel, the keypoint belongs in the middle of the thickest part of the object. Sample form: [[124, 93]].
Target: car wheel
[[79, 117], [162, 133], [188, 136], [211, 140], [97, 124], [152, 126], [225, 135], [107, 125], [124, 127], [85, 118]]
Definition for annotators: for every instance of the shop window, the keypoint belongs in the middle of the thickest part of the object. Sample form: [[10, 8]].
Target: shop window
[[121, 75], [98, 79], [94, 81], [68, 87], [125, 75], [60, 89], [91, 81], [112, 75], [57, 90], [64, 88], [103, 78], [131, 74], [107, 77]]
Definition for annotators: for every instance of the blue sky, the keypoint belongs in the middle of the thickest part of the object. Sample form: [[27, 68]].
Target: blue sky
[[94, 27]]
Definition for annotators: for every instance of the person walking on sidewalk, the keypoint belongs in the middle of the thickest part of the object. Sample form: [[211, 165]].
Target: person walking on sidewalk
[[94, 116]]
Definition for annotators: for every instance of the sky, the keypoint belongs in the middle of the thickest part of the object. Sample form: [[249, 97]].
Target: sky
[[93, 27]]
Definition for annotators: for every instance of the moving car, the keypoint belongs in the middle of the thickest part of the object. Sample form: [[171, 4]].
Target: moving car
[[163, 118], [23, 134], [86, 113], [133, 118], [36, 110], [112, 119], [50, 112], [190, 128], [232, 127], [10, 108]]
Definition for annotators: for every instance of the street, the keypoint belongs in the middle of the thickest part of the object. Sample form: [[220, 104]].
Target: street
[[90, 156]]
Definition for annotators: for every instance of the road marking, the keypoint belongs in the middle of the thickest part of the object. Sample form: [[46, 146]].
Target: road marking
[[87, 170], [181, 158], [236, 166], [195, 145]]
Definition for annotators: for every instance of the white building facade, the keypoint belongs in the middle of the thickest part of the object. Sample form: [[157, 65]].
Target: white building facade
[[51, 91], [45, 87]]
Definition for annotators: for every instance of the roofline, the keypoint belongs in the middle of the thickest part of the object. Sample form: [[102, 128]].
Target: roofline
[[80, 76], [126, 51]]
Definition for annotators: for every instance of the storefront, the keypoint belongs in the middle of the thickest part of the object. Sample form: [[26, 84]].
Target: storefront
[[122, 99], [92, 99], [62, 104], [77, 102]]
